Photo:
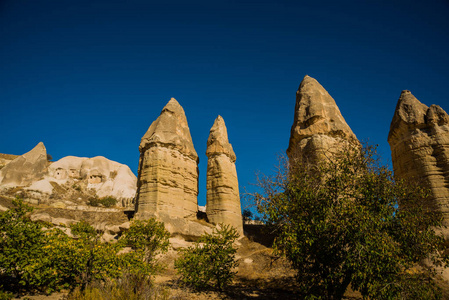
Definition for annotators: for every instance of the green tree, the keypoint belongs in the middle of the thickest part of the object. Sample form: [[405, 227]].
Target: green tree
[[20, 247], [35, 256], [149, 236], [345, 221], [210, 261]]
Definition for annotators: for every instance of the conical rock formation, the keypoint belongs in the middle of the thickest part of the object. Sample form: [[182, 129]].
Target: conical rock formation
[[26, 168], [223, 199], [318, 127], [168, 167], [419, 143]]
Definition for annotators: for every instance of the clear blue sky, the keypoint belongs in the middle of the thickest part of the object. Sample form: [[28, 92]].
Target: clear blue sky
[[88, 77]]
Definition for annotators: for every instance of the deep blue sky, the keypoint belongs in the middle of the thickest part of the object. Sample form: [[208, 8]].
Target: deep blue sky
[[88, 77]]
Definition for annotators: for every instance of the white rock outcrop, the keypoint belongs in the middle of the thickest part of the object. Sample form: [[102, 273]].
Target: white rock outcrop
[[97, 176], [104, 176]]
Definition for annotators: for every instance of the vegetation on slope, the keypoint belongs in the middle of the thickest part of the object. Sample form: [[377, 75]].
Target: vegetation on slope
[[346, 222]]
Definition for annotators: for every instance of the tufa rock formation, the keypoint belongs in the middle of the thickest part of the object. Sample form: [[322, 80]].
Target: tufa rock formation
[[223, 199], [318, 126], [419, 143], [104, 176], [168, 168], [26, 168], [68, 179]]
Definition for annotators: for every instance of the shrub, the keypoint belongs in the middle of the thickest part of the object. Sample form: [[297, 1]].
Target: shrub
[[107, 201], [147, 238], [210, 261], [345, 221], [21, 242], [129, 286], [6, 295]]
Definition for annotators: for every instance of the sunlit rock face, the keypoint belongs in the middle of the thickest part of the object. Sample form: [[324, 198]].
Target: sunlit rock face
[[319, 128], [168, 168], [419, 142], [99, 174], [25, 169], [223, 199]]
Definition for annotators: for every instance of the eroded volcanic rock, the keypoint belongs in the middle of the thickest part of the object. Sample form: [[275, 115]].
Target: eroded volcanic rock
[[104, 176], [168, 168], [419, 142], [223, 199], [318, 127], [26, 168]]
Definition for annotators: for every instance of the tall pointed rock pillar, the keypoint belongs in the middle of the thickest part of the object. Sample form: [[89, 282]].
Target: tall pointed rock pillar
[[419, 143], [223, 199], [168, 168], [318, 126]]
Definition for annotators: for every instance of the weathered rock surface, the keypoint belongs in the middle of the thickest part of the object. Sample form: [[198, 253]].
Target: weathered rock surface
[[6, 158], [318, 126], [168, 168], [26, 168], [45, 182], [223, 199], [104, 176], [419, 142]]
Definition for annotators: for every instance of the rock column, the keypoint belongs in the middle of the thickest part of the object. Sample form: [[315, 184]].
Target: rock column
[[223, 199], [318, 127], [419, 143], [168, 168]]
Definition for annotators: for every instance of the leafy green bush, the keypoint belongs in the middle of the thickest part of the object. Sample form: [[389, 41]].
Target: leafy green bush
[[147, 238], [345, 221], [6, 295], [129, 287], [210, 261], [107, 201], [38, 258], [21, 242]]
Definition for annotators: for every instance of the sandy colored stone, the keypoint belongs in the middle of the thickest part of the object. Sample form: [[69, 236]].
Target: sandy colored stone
[[168, 167], [104, 176], [223, 198], [318, 126], [419, 143], [26, 168]]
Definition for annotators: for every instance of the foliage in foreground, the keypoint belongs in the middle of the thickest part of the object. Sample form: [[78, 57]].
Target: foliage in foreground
[[129, 286], [210, 262], [36, 257], [345, 221]]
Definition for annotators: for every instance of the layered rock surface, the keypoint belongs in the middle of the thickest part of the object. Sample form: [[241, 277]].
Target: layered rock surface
[[419, 142], [318, 127], [223, 199], [168, 168], [104, 176], [26, 168], [68, 178]]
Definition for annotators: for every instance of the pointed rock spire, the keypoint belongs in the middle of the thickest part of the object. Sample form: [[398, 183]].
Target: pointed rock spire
[[170, 129], [26, 168], [168, 167], [419, 143], [218, 143], [316, 114], [223, 199], [409, 113]]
